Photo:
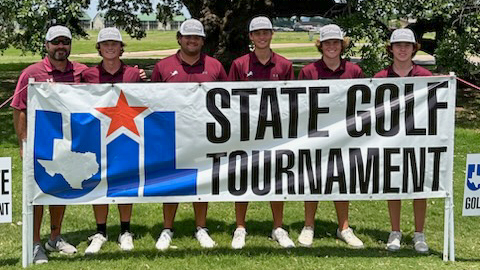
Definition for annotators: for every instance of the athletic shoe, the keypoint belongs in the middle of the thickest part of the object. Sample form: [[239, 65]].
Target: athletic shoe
[[238, 241], [39, 255], [203, 238], [394, 239], [306, 236], [60, 245], [419, 242], [125, 241], [96, 242], [164, 239], [350, 238], [281, 236]]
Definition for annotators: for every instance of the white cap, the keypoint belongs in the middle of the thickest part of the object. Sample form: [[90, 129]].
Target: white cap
[[403, 35], [259, 23], [330, 31], [109, 33], [57, 31], [192, 27]]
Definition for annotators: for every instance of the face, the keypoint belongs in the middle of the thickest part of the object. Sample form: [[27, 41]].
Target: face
[[59, 48], [261, 38], [191, 45], [402, 51], [332, 48], [110, 49]]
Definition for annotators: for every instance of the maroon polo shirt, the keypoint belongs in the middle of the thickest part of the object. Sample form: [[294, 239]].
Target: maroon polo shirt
[[44, 71], [98, 74], [174, 69], [249, 68], [319, 70], [417, 71]]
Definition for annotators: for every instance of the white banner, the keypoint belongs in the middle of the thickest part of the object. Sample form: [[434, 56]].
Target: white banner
[[5, 190], [471, 194], [358, 139]]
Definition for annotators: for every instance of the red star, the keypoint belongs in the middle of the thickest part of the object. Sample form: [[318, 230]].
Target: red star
[[122, 115]]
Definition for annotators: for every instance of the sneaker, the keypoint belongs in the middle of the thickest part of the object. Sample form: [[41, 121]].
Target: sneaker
[[281, 236], [164, 239], [125, 241], [419, 242], [394, 239], [96, 242], [60, 245], [350, 238], [39, 255], [203, 238], [306, 236], [238, 241]]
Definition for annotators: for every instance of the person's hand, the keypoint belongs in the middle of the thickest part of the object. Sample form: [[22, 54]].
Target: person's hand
[[142, 73]]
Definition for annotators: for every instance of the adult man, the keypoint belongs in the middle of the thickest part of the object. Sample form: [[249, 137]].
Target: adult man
[[189, 64], [261, 64], [111, 70], [55, 67]]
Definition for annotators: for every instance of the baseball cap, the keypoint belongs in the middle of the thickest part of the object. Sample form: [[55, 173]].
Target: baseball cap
[[109, 33], [330, 31], [57, 31], [403, 35], [192, 27], [259, 23]]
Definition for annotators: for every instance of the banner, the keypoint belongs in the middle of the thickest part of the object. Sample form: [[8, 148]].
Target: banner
[[5, 190], [359, 139], [471, 194]]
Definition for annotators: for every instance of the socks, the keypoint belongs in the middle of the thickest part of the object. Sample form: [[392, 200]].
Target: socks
[[124, 227], [102, 228]]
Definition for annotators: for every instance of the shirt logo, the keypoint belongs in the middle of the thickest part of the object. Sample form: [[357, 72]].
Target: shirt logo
[[173, 73], [250, 73], [205, 72], [275, 75]]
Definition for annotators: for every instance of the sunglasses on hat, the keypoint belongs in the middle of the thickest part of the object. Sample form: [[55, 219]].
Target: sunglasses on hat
[[63, 41]]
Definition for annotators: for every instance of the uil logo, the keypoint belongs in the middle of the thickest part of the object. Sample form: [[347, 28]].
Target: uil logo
[[70, 165], [473, 177]]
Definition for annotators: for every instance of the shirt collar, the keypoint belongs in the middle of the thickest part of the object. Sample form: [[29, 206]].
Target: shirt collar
[[49, 67], [324, 66], [271, 61], [392, 73], [120, 70], [201, 60]]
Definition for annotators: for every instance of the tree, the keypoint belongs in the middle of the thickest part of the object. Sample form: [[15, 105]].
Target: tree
[[34, 17]]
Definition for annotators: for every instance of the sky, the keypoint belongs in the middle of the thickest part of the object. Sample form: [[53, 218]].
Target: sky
[[92, 10]]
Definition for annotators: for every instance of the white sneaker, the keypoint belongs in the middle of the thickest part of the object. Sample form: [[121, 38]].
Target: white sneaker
[[96, 242], [39, 255], [164, 239], [419, 242], [60, 245], [350, 238], [125, 241], [394, 239], [306, 236], [238, 241], [203, 238], [281, 236]]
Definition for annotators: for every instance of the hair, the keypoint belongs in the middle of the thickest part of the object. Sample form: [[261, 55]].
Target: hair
[[97, 46], [416, 48], [345, 44]]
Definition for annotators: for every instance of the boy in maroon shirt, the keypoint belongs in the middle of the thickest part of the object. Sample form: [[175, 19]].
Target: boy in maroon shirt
[[189, 64], [55, 67], [111, 70], [331, 44], [403, 47], [265, 65]]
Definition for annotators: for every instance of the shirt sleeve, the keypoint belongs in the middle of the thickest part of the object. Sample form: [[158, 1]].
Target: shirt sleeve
[[301, 74], [290, 74], [19, 101], [223, 75], [232, 73]]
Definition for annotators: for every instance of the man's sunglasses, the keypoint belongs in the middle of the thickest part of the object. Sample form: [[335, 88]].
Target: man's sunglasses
[[63, 41]]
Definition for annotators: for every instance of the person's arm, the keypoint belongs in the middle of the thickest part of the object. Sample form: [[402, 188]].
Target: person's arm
[[20, 124]]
